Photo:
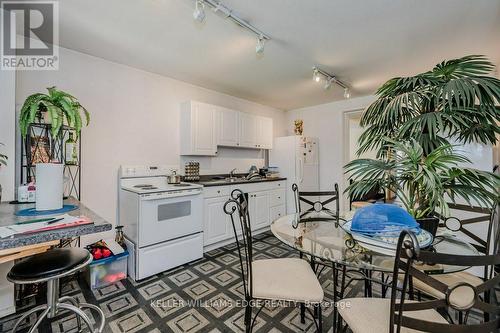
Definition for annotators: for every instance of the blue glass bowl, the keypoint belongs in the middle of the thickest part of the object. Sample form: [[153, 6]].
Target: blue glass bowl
[[383, 218]]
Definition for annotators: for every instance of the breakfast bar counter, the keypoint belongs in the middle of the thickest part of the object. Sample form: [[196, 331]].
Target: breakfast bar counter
[[8, 217]]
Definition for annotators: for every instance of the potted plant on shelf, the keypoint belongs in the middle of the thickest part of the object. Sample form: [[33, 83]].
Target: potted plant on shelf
[[3, 162], [58, 107], [424, 182], [410, 127]]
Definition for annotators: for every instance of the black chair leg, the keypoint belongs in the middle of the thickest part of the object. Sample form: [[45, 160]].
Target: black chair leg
[[320, 319], [302, 313], [248, 318], [335, 298]]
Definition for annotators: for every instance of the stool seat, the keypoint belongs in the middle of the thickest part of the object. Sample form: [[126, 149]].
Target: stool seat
[[50, 263]]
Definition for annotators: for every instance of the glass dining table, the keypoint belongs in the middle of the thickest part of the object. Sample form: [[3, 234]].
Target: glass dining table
[[322, 236]]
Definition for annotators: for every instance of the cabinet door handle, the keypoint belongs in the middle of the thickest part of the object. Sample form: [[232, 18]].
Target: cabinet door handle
[[279, 197]]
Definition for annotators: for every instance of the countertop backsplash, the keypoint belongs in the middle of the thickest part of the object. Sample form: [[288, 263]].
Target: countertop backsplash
[[226, 160]]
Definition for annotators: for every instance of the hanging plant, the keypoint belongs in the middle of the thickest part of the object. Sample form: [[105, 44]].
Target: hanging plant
[[60, 107]]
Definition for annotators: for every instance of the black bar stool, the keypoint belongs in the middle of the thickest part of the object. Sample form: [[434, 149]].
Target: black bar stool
[[50, 267]]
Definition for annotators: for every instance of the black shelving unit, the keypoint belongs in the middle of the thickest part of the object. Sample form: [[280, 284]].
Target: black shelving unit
[[40, 147]]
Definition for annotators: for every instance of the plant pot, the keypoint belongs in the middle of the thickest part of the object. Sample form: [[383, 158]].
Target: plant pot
[[45, 117], [429, 224]]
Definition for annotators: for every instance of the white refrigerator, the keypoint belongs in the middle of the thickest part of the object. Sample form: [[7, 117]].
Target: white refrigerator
[[297, 158]]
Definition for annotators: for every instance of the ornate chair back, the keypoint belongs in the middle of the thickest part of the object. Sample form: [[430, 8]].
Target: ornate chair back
[[237, 208], [461, 297], [309, 202]]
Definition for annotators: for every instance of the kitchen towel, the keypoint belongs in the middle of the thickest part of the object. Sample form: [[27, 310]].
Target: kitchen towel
[[49, 186]]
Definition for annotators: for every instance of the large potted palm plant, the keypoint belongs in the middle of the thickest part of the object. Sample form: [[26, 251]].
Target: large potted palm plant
[[424, 182], [455, 100], [411, 125]]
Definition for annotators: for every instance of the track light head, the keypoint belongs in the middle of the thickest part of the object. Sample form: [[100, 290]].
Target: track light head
[[259, 48], [316, 75], [199, 11], [347, 93], [328, 83]]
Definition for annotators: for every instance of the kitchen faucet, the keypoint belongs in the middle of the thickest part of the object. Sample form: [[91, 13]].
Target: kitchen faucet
[[231, 173]]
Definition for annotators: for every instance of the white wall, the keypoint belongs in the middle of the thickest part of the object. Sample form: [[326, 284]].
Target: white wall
[[326, 122], [134, 118], [7, 132]]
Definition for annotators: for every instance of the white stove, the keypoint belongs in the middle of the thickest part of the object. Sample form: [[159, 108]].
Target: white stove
[[162, 222]]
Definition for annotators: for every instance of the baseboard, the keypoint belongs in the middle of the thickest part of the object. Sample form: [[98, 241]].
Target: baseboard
[[231, 240]]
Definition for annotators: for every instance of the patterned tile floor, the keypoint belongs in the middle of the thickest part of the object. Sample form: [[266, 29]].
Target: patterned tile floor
[[202, 296]]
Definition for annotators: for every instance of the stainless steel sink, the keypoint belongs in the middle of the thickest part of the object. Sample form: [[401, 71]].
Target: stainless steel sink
[[233, 179], [229, 180]]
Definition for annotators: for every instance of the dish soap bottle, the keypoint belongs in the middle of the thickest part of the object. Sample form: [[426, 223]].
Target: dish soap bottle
[[119, 237], [70, 150]]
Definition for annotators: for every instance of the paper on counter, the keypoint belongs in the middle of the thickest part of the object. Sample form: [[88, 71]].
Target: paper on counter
[[15, 229]]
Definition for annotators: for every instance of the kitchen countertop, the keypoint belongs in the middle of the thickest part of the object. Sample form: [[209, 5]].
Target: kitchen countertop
[[7, 218], [209, 183]]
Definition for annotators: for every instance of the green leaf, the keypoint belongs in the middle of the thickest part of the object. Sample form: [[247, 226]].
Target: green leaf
[[60, 106]]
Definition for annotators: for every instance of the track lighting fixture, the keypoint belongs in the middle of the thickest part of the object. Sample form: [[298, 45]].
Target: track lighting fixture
[[318, 74], [347, 93], [259, 48], [219, 8], [199, 11], [328, 83]]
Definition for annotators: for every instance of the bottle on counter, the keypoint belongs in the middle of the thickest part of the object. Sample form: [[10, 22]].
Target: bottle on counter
[[70, 150], [120, 238]]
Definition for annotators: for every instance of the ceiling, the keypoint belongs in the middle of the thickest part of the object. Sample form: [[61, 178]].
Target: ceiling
[[363, 42]]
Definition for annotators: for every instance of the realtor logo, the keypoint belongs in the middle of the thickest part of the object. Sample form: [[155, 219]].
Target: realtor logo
[[29, 35]]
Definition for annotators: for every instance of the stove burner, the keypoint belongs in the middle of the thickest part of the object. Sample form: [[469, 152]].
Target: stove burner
[[143, 185]]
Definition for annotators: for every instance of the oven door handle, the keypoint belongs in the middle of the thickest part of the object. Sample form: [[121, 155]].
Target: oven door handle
[[151, 197]]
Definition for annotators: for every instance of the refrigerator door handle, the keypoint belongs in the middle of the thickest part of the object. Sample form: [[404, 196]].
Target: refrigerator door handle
[[301, 170]]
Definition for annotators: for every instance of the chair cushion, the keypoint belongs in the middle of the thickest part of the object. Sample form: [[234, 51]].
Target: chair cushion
[[451, 280], [372, 315], [287, 279], [52, 262]]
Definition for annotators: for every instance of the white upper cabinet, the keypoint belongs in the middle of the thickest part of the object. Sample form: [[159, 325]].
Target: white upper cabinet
[[204, 127], [264, 133], [248, 130], [198, 129], [228, 127]]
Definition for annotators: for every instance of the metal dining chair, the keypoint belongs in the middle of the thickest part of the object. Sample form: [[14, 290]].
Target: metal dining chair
[[399, 314], [307, 202], [317, 206], [375, 195], [484, 246], [285, 279]]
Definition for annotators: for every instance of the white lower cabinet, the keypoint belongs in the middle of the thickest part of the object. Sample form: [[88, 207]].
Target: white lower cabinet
[[277, 212], [266, 202], [217, 224], [258, 205]]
